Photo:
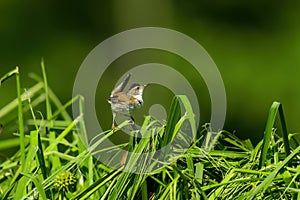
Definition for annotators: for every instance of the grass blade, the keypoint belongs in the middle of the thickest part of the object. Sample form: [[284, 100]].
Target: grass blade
[[173, 117], [8, 75], [21, 121], [275, 108], [269, 179], [38, 184], [284, 131], [97, 185]]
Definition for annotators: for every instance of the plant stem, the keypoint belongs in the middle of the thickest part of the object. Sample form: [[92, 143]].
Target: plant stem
[[21, 120]]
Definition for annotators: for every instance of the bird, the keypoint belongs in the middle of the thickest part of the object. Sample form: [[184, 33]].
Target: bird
[[125, 102]]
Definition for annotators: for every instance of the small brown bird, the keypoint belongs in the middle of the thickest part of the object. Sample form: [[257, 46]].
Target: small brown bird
[[124, 103]]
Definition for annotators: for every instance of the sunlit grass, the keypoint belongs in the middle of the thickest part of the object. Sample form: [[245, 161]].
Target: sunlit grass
[[53, 163]]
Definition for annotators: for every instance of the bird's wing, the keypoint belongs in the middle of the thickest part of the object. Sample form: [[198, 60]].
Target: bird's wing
[[122, 85], [119, 97]]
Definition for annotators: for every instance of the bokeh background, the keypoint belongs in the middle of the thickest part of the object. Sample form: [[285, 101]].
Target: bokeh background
[[255, 45]]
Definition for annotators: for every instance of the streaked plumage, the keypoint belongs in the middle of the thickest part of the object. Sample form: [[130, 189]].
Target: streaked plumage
[[124, 103]]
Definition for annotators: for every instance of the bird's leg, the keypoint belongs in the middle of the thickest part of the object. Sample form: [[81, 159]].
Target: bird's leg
[[133, 123], [124, 158], [132, 119], [113, 121]]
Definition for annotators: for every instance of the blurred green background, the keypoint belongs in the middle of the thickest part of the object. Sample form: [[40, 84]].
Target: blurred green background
[[255, 45]]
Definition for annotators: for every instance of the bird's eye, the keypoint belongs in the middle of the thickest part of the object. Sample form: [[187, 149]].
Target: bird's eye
[[138, 87]]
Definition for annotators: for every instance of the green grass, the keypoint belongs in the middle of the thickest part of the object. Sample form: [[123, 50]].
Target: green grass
[[53, 163]]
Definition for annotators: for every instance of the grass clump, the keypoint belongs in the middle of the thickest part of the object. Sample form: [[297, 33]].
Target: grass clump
[[53, 163]]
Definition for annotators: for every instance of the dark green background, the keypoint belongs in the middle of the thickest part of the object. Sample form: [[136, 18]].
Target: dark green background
[[255, 45]]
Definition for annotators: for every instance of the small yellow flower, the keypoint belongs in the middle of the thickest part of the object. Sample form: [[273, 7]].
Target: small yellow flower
[[65, 182]]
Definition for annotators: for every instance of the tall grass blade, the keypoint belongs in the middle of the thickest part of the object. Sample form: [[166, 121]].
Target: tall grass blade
[[275, 108], [21, 121], [8, 75], [172, 119], [284, 131]]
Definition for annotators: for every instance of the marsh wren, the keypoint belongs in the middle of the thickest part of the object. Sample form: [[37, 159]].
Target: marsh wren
[[124, 103]]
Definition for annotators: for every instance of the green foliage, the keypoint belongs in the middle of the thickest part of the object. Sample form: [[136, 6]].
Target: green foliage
[[53, 163]]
